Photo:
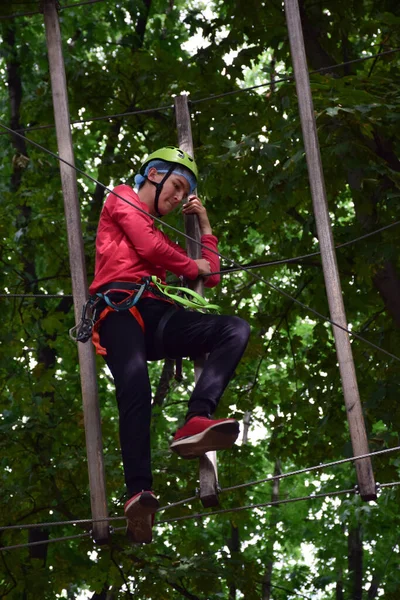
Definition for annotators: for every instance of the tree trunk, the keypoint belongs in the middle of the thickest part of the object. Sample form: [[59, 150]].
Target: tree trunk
[[234, 546], [385, 279], [355, 561], [267, 582], [339, 586]]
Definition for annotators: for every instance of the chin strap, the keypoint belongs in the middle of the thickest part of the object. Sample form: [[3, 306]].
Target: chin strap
[[159, 187]]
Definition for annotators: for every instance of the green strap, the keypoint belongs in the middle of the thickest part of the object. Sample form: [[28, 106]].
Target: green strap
[[197, 301]]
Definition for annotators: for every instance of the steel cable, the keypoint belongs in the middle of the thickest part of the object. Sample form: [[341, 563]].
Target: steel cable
[[227, 489]]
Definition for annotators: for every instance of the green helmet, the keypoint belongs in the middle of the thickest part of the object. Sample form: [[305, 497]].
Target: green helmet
[[173, 155]]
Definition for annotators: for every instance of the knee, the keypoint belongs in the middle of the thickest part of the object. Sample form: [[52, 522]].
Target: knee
[[240, 329]]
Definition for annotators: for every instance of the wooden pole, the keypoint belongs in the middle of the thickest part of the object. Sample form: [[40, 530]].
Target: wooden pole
[[87, 364], [355, 417], [208, 463]]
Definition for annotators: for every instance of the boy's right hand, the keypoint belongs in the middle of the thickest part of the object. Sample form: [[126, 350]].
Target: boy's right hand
[[203, 265]]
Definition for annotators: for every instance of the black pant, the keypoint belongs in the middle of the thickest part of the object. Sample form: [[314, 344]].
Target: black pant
[[186, 333]]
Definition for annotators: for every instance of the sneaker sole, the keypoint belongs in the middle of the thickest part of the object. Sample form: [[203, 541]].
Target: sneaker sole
[[139, 518], [221, 436]]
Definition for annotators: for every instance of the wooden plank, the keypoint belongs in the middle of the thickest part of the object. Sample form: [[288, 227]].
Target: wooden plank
[[365, 476], [208, 464], [87, 364]]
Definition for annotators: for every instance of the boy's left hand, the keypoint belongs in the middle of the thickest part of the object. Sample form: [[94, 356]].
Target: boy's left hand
[[195, 207]]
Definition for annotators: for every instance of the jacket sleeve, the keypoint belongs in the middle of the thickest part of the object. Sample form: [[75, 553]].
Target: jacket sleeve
[[209, 251], [148, 241]]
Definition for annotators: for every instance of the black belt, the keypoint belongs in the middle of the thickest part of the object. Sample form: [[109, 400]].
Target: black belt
[[130, 285], [119, 285]]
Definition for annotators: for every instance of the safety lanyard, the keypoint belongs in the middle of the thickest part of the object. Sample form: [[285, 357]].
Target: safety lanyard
[[171, 291]]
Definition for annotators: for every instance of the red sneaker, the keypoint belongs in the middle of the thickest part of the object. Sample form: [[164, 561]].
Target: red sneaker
[[200, 435], [139, 511]]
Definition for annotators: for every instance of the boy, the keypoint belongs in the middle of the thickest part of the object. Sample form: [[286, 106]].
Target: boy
[[129, 332]]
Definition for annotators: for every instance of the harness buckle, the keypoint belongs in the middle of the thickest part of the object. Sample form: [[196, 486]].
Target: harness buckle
[[82, 332]]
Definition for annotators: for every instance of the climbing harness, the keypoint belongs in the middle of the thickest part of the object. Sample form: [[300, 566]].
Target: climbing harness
[[91, 318]]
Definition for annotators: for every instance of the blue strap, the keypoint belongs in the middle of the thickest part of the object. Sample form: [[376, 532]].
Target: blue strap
[[126, 304]]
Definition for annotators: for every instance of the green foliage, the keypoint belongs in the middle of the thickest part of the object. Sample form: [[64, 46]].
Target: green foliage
[[121, 58]]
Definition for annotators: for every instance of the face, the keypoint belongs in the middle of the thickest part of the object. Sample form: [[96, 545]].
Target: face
[[174, 190]]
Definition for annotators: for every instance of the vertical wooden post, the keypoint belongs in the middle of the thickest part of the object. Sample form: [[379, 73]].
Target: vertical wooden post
[[208, 463], [87, 365], [355, 417]]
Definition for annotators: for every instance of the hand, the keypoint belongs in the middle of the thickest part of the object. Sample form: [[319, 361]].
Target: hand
[[203, 265], [195, 207]]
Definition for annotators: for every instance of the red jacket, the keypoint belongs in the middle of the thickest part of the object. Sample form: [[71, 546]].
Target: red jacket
[[129, 246]]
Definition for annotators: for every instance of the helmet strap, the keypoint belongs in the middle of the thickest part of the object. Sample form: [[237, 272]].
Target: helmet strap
[[159, 187]]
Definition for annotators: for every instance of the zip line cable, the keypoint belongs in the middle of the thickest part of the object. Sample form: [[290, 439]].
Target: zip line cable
[[269, 263], [185, 235], [269, 479], [184, 517], [287, 78]]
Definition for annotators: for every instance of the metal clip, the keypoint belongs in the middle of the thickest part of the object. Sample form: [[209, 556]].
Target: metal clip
[[83, 331]]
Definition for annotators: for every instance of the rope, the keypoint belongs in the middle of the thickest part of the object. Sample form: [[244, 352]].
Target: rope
[[214, 97], [185, 235]]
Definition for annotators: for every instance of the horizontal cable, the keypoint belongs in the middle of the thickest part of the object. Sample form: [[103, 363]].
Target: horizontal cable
[[40, 12], [269, 263], [45, 525], [281, 261], [291, 77], [195, 516], [86, 521], [140, 111], [192, 516], [228, 489], [36, 296], [387, 485], [310, 469], [253, 506], [42, 542], [199, 243], [214, 97]]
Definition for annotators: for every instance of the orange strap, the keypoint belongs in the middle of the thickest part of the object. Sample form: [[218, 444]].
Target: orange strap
[[96, 335]]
